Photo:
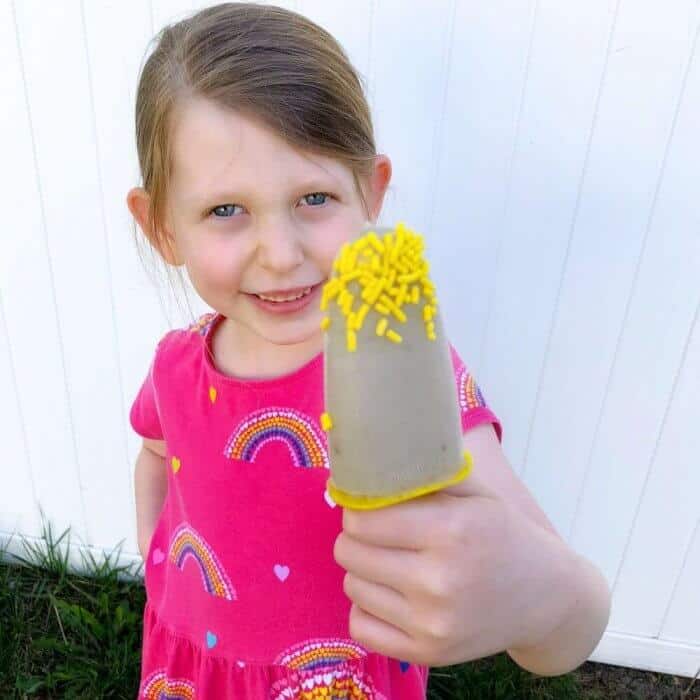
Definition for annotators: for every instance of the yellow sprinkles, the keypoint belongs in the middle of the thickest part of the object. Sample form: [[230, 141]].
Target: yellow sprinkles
[[326, 422], [391, 272]]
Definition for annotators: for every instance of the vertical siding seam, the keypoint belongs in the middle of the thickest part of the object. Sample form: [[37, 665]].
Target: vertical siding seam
[[586, 473], [61, 348], [686, 557], [15, 387], [439, 125], [686, 554], [572, 227], [370, 53], [509, 181], [667, 408], [110, 285]]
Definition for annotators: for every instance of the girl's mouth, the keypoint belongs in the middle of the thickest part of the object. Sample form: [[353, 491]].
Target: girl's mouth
[[310, 294], [289, 298]]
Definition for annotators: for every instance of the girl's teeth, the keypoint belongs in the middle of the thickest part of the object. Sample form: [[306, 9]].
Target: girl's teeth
[[304, 293]]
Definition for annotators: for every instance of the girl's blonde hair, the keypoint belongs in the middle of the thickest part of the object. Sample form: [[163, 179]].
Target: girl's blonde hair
[[266, 62]]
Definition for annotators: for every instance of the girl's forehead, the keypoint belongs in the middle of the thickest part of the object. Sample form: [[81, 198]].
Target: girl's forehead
[[213, 145]]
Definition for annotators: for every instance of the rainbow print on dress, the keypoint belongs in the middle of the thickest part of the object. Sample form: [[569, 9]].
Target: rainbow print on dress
[[470, 395], [301, 435], [186, 543], [316, 653], [324, 668], [159, 687]]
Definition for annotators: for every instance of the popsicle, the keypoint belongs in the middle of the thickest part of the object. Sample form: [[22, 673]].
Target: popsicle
[[391, 408]]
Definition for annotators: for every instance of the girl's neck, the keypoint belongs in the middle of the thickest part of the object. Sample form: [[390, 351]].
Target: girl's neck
[[245, 356]]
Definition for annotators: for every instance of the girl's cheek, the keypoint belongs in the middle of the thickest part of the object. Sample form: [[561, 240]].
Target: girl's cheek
[[217, 264], [331, 243]]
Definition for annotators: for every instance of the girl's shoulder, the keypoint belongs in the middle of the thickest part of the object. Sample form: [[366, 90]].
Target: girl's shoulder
[[178, 343], [201, 325]]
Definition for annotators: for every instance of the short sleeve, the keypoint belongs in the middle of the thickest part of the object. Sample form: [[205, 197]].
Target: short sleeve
[[472, 403], [144, 415]]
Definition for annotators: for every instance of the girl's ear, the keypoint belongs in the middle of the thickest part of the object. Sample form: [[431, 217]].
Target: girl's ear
[[138, 201], [378, 184]]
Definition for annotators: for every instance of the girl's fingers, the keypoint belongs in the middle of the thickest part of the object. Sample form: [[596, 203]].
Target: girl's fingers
[[388, 567], [378, 635]]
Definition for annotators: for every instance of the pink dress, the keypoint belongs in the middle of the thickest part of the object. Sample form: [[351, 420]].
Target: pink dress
[[244, 597]]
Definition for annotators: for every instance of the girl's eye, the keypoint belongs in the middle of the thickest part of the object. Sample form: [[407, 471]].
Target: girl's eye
[[225, 207], [220, 211], [316, 195]]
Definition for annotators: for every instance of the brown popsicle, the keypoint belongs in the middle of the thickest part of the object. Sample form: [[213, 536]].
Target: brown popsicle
[[391, 410]]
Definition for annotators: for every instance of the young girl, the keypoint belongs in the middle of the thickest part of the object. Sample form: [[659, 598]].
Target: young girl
[[258, 160]]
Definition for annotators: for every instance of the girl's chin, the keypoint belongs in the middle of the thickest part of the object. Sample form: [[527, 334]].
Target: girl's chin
[[298, 335], [288, 330]]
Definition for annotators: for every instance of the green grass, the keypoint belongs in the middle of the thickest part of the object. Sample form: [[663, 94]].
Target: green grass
[[64, 635]]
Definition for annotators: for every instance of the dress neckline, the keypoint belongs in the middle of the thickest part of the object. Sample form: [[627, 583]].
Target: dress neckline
[[300, 373]]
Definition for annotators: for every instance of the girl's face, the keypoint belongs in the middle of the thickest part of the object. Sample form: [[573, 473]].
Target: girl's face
[[249, 214]]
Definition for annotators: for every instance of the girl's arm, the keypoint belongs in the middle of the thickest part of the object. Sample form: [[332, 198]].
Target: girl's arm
[[150, 487]]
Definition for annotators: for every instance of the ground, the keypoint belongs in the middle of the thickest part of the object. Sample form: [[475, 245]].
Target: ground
[[620, 682]]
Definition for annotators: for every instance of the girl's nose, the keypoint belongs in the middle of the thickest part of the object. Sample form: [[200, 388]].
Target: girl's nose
[[280, 247]]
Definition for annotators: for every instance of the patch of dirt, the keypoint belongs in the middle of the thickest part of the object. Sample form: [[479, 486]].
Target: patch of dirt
[[605, 681]]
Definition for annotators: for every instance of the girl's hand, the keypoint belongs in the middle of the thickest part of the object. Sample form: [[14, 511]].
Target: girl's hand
[[452, 576]]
